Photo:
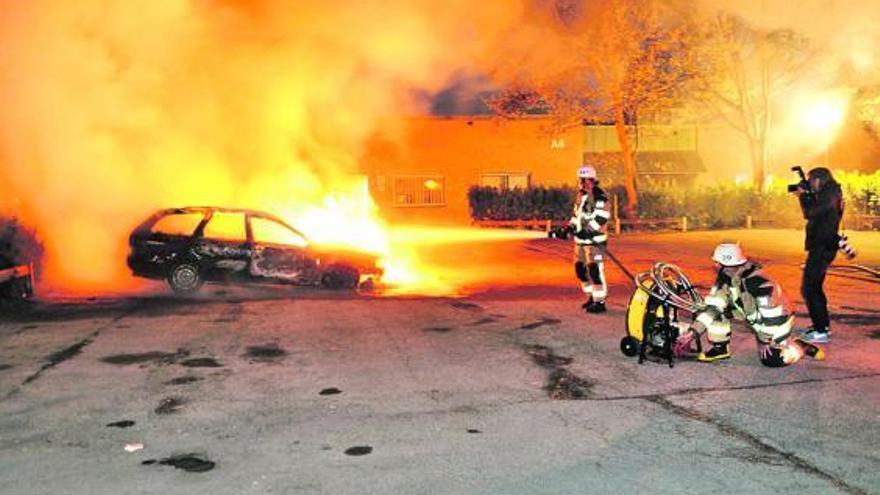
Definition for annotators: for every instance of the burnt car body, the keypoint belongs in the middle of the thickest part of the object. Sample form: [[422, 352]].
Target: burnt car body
[[192, 245]]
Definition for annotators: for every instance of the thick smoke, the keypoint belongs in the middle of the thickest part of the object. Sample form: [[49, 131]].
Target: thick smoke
[[843, 36], [113, 109]]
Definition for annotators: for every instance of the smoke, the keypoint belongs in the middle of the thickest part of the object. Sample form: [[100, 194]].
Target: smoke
[[844, 32], [115, 108], [821, 106]]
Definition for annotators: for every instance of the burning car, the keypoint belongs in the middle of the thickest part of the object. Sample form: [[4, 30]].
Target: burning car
[[192, 245]]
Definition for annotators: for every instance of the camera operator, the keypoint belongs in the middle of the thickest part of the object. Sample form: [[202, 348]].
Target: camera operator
[[821, 201]]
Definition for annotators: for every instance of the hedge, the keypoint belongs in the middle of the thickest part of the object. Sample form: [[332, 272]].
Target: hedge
[[719, 206]]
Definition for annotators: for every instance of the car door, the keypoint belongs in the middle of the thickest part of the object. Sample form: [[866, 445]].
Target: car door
[[222, 246], [279, 252], [162, 239]]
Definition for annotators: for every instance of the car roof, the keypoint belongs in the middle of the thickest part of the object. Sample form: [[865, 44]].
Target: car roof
[[222, 209], [209, 209]]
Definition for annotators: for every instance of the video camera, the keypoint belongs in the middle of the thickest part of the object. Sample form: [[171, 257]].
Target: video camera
[[802, 184]]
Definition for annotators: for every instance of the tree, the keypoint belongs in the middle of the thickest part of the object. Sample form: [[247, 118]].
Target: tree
[[743, 70], [620, 62]]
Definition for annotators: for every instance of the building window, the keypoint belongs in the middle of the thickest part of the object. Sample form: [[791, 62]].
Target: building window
[[505, 180], [419, 190]]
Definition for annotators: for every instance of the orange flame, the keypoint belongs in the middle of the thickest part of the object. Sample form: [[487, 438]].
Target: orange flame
[[113, 110]]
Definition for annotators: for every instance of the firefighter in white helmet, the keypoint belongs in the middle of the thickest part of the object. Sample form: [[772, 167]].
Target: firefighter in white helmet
[[743, 292], [590, 236]]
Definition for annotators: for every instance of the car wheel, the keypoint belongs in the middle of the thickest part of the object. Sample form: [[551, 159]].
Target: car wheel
[[185, 278], [340, 278]]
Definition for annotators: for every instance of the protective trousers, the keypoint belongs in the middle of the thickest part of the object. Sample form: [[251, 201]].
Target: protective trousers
[[815, 268], [590, 269]]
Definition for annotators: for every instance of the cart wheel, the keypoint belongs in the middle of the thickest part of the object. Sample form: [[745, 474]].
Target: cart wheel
[[629, 346]]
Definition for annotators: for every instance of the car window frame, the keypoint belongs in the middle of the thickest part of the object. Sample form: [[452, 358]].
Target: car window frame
[[253, 241], [200, 231], [147, 227]]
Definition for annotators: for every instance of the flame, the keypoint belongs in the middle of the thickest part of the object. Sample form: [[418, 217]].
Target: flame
[[113, 110], [354, 222]]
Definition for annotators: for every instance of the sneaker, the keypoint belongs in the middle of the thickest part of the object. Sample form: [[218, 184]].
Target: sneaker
[[815, 336], [587, 305], [716, 353], [596, 307], [803, 331]]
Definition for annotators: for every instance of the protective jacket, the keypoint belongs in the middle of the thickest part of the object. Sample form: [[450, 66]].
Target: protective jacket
[[745, 293], [822, 211], [590, 217]]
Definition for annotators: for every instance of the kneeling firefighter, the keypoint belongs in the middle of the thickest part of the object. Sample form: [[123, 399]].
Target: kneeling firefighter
[[741, 290], [588, 224]]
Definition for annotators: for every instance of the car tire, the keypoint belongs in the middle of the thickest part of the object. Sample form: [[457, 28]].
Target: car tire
[[340, 278], [185, 278]]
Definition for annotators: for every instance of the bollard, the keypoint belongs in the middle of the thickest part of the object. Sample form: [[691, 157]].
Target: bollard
[[616, 214], [684, 224], [748, 221]]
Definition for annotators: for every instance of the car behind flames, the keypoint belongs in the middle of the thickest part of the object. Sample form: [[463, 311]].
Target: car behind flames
[[192, 245]]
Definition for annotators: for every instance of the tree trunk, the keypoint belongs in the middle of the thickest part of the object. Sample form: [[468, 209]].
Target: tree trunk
[[758, 155], [630, 179]]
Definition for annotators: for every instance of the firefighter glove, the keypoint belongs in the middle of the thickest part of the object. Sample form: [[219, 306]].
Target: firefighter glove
[[683, 344]]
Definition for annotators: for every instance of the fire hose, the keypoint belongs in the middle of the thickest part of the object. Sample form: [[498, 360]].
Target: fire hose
[[668, 284]]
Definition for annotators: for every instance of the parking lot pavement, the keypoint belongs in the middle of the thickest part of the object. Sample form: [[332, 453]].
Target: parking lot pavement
[[508, 388]]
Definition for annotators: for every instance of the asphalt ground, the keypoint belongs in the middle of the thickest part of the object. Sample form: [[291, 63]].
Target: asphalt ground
[[508, 388]]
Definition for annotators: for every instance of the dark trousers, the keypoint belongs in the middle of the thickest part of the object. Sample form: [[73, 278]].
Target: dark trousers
[[818, 260]]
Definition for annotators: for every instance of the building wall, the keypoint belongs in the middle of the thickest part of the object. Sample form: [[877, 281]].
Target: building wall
[[453, 152]]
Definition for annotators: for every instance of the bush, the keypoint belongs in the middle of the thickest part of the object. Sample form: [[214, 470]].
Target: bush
[[714, 207], [543, 203], [862, 192]]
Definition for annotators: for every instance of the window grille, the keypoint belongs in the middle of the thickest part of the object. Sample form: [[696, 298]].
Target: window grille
[[420, 190]]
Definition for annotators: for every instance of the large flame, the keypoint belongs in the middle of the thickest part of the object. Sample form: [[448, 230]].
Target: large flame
[[112, 110]]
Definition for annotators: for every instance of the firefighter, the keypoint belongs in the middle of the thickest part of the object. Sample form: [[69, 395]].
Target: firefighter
[[589, 226], [742, 291]]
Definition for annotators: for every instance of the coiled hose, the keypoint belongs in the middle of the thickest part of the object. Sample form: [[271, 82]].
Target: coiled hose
[[668, 284]]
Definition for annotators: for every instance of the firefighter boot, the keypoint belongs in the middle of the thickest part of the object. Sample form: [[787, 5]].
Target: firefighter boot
[[596, 307], [811, 350], [717, 352]]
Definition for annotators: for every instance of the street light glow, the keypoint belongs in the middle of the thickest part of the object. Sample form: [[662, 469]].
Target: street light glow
[[825, 115]]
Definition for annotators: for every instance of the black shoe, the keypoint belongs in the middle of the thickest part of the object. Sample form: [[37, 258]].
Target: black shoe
[[717, 352], [587, 305], [596, 307]]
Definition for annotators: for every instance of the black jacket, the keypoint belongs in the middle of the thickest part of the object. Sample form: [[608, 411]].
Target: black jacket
[[823, 211]]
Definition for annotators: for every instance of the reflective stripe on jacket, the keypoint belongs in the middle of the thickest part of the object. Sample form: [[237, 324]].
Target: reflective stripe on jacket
[[591, 217]]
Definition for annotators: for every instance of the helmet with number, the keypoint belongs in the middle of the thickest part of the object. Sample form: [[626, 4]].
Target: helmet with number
[[587, 172], [729, 254]]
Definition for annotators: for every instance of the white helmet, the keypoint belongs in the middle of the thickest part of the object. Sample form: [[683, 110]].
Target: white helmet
[[587, 172], [729, 254]]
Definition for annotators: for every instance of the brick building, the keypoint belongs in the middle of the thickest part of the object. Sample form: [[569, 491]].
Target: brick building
[[420, 169]]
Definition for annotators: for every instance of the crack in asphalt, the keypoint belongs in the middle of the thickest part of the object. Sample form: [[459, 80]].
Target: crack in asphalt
[[68, 352], [663, 400], [755, 442], [699, 390], [59, 357]]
